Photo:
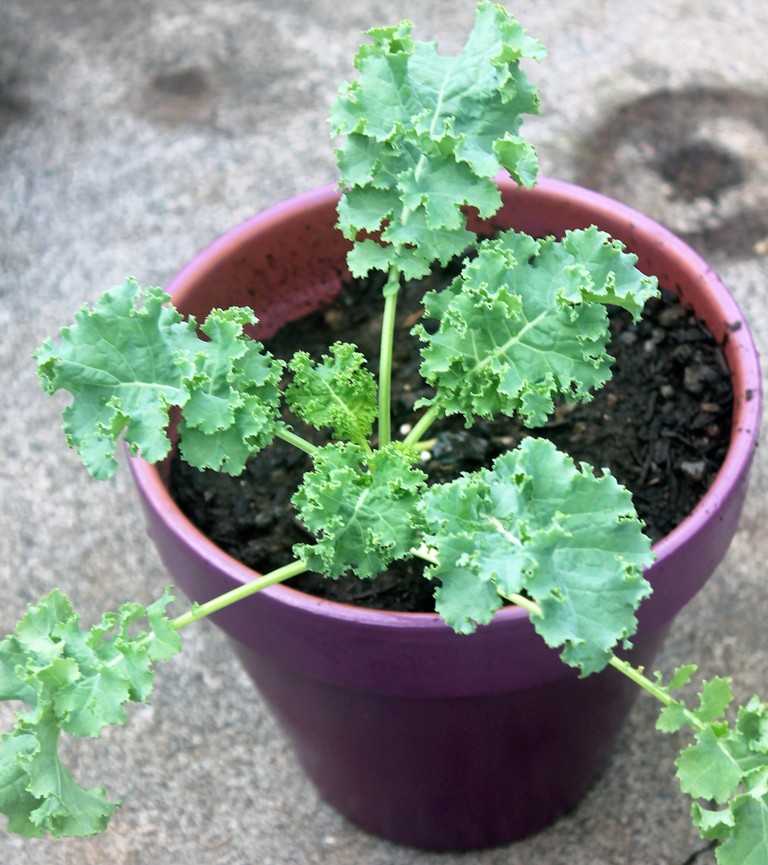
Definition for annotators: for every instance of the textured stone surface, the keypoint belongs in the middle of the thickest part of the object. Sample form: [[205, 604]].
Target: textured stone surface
[[132, 134]]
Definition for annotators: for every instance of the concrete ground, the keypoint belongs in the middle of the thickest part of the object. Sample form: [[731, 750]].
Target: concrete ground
[[131, 135]]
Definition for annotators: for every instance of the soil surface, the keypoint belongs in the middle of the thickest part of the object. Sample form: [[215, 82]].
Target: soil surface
[[662, 426]]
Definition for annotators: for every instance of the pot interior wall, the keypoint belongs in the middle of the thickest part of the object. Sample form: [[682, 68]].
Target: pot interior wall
[[283, 264]]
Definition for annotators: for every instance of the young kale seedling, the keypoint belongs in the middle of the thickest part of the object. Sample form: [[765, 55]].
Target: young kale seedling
[[524, 324]]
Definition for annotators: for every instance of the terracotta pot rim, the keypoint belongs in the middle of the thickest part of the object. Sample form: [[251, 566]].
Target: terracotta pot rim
[[743, 440]]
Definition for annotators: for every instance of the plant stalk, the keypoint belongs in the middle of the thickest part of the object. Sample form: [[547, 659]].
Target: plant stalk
[[422, 425], [663, 696], [200, 611], [635, 674], [385, 356], [297, 441]]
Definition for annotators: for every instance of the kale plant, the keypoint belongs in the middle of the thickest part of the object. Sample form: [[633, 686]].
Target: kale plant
[[524, 324]]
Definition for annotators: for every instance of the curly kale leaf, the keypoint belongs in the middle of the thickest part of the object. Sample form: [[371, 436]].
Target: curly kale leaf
[[535, 523], [362, 507], [73, 681], [234, 403], [337, 392], [423, 136], [725, 768], [525, 323], [133, 357]]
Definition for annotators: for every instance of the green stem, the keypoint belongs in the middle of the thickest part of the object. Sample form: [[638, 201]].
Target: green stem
[[297, 441], [425, 554], [200, 611], [424, 444], [635, 674], [422, 425], [521, 601], [639, 678], [385, 356]]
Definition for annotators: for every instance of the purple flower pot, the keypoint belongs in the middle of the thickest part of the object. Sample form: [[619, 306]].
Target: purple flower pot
[[427, 738]]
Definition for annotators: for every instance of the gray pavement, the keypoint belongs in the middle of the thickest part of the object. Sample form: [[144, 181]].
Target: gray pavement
[[131, 135]]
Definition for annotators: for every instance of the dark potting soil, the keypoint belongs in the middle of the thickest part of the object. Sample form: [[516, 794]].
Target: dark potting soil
[[662, 426]]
